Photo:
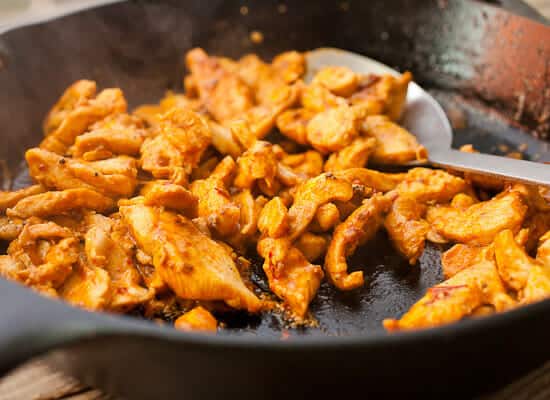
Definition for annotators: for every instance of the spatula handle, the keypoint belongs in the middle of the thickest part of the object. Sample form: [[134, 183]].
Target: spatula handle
[[486, 164]]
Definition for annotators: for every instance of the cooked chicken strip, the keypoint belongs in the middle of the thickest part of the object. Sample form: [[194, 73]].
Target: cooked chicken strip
[[379, 181], [312, 246], [308, 163], [543, 252], [291, 276], [183, 137], [395, 145], [352, 156], [406, 227], [326, 218], [289, 65], [317, 98], [538, 223], [198, 319], [258, 164], [530, 277], [428, 185], [54, 203], [312, 194], [334, 129], [119, 134], [152, 113], [358, 228], [115, 177], [341, 81], [481, 222], [462, 256], [10, 228], [9, 268], [224, 140], [272, 84], [222, 92], [514, 265], [250, 209], [293, 123], [193, 265], [273, 220], [76, 95], [383, 94], [108, 245], [456, 298], [215, 203], [44, 254], [78, 120], [87, 287], [170, 195], [537, 287], [261, 119], [10, 199], [251, 69]]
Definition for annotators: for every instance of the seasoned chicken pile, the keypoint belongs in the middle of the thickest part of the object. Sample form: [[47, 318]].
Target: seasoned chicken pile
[[158, 210]]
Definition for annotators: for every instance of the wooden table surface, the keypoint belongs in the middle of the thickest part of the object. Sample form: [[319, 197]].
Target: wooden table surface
[[35, 380]]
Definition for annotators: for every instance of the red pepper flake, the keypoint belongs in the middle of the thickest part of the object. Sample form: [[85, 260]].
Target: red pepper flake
[[446, 289], [442, 292], [285, 335]]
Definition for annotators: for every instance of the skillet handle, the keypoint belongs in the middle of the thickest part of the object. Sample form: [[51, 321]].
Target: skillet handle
[[31, 324], [486, 164]]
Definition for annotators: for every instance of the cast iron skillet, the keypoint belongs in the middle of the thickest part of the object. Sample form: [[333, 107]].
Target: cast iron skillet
[[138, 46]]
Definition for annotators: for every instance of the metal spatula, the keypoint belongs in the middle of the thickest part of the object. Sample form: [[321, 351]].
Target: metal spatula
[[425, 118]]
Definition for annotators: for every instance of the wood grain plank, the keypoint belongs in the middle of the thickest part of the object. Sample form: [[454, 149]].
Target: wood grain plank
[[37, 381]]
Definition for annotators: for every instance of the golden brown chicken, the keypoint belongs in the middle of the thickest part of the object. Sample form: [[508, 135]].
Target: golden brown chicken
[[311, 195], [406, 227], [341, 81], [76, 111], [358, 228], [259, 165], [481, 222], [109, 246], [42, 256], [163, 210], [215, 204], [456, 298], [193, 265], [430, 185], [10, 199], [113, 177], [334, 129], [56, 203], [395, 144], [291, 276], [352, 156], [530, 277], [198, 319], [222, 92], [183, 137], [119, 134]]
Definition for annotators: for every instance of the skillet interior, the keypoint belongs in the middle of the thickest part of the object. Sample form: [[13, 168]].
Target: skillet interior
[[139, 47]]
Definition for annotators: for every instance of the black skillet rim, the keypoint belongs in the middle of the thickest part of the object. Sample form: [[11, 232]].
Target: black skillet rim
[[98, 324]]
